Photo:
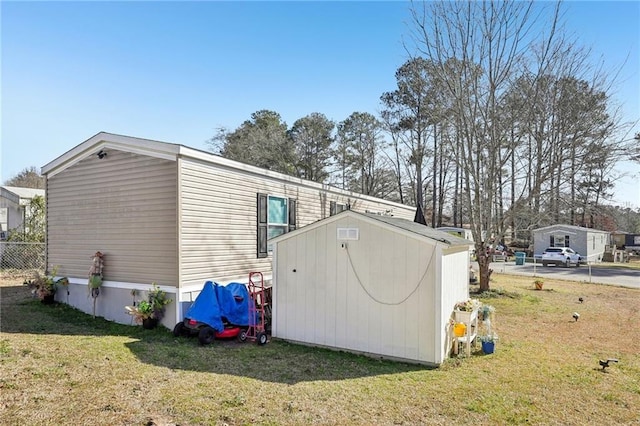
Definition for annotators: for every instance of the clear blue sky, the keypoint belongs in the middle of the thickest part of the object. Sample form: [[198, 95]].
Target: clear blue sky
[[176, 71]]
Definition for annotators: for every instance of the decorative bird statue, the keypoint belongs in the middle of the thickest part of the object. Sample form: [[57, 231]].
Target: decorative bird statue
[[580, 299], [576, 316], [605, 363]]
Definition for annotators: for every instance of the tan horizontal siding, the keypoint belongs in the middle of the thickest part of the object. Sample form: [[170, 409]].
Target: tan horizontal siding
[[124, 205], [218, 218]]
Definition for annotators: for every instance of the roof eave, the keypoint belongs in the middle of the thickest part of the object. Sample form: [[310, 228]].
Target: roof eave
[[105, 140]]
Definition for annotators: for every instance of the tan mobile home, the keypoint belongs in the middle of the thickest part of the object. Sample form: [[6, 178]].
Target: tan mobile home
[[165, 213]]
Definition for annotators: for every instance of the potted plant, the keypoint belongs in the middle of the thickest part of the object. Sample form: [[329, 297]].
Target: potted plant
[[142, 313], [151, 311], [463, 310], [44, 287], [488, 342], [538, 283]]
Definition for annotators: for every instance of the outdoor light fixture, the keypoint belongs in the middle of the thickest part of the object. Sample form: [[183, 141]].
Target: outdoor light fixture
[[101, 154]]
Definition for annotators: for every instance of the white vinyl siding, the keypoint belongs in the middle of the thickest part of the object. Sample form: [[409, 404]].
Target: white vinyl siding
[[123, 205], [388, 293]]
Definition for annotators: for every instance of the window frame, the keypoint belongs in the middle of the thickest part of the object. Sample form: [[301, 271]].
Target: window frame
[[265, 223]]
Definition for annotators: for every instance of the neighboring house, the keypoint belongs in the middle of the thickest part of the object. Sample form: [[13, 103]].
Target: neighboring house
[[618, 239], [378, 285], [173, 215], [585, 241], [626, 241], [14, 208]]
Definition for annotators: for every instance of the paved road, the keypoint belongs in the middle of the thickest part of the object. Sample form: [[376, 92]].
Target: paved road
[[596, 274]]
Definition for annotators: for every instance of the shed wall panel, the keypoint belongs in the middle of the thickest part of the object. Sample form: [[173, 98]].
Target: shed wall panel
[[455, 288], [123, 205], [377, 295]]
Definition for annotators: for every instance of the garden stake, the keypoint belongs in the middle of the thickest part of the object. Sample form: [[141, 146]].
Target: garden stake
[[95, 277]]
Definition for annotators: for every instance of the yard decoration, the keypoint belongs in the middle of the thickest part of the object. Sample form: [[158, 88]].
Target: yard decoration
[[488, 337], [538, 283], [95, 277], [463, 318]]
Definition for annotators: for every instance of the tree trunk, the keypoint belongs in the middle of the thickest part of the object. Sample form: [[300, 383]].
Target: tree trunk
[[484, 261]]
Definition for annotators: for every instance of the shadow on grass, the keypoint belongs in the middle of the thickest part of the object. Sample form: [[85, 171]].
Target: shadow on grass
[[277, 361]]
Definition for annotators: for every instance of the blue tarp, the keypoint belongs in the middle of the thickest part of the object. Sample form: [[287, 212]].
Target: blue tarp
[[216, 301]]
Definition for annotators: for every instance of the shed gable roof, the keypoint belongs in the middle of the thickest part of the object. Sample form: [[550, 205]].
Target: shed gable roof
[[399, 224]]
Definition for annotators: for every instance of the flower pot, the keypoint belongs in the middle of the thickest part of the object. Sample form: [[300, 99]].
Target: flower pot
[[48, 299], [488, 347], [460, 329], [463, 316], [149, 323]]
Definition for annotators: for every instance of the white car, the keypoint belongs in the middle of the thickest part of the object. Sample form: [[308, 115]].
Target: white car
[[561, 256]]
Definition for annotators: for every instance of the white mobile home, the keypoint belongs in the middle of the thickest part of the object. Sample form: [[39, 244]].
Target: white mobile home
[[585, 241], [372, 284], [173, 215], [15, 207]]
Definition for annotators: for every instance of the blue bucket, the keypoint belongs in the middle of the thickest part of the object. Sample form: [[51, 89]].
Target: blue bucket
[[488, 347]]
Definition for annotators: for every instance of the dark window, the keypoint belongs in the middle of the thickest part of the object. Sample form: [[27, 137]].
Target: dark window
[[292, 214], [262, 225], [335, 208]]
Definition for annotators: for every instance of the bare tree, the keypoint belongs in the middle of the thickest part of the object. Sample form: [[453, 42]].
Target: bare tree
[[396, 156], [478, 49], [27, 178]]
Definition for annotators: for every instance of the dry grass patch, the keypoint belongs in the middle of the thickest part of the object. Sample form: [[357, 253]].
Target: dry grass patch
[[58, 366]]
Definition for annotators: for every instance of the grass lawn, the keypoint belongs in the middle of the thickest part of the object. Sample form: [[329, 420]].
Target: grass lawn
[[61, 367]]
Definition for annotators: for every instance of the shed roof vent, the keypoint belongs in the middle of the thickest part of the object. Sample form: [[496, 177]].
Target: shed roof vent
[[348, 233]]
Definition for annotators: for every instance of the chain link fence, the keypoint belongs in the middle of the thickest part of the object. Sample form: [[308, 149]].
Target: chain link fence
[[21, 257]]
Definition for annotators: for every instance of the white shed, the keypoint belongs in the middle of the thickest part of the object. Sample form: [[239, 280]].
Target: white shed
[[371, 284]]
